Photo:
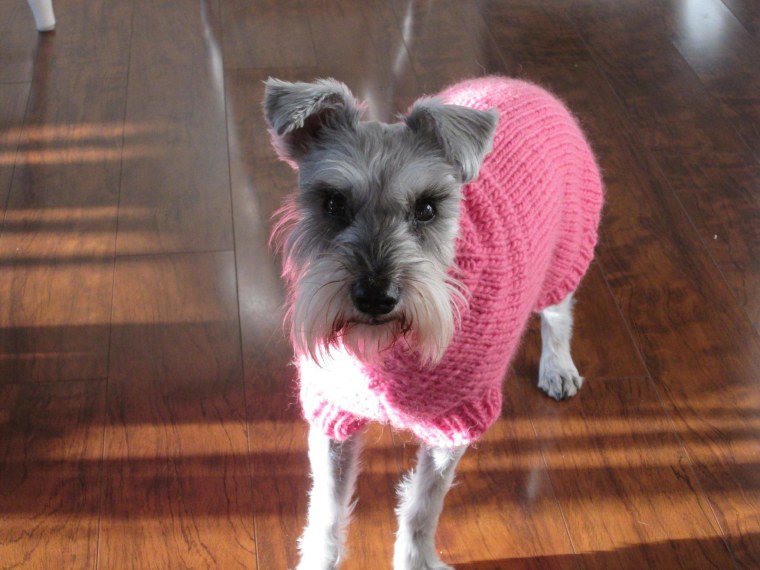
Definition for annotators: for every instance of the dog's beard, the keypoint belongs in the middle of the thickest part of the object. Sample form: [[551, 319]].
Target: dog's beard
[[324, 317]]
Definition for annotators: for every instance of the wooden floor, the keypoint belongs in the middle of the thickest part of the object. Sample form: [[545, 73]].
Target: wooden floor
[[147, 417]]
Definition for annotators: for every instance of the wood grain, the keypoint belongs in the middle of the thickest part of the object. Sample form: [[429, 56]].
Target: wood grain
[[89, 32], [18, 42], [143, 118], [447, 43], [709, 166], [58, 234], [727, 69], [280, 475], [673, 295], [177, 478], [51, 444], [265, 34], [528, 35], [596, 317], [611, 450], [379, 71], [13, 99], [260, 181], [175, 197], [188, 33], [748, 13]]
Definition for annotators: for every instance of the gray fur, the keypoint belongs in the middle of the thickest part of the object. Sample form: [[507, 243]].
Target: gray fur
[[465, 135], [382, 172], [298, 111]]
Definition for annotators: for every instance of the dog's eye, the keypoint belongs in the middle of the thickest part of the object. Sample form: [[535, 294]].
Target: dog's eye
[[335, 206], [424, 211]]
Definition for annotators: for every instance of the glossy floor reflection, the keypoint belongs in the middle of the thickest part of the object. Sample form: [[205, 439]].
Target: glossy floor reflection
[[147, 411]]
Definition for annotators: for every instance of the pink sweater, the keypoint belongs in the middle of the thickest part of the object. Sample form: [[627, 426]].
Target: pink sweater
[[528, 231]]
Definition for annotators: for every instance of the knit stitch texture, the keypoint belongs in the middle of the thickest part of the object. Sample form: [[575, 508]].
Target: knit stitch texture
[[527, 235]]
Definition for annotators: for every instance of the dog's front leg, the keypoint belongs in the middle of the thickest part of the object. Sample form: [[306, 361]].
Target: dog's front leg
[[422, 493], [557, 374], [334, 467]]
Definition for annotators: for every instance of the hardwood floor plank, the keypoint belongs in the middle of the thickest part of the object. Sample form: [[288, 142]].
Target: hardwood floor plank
[[378, 69], [697, 343], [51, 444], [728, 67], [18, 42], [602, 345], [280, 474], [719, 192], [661, 94], [260, 181], [396, 87], [176, 32], [89, 32], [263, 34], [446, 42], [623, 478], [13, 99], [58, 234], [528, 35], [373, 526], [747, 12], [177, 480], [176, 196], [706, 163]]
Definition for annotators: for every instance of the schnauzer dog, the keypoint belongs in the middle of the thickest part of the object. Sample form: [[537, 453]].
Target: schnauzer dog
[[414, 254]]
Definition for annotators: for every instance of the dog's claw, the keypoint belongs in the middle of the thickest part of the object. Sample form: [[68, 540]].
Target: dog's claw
[[560, 384]]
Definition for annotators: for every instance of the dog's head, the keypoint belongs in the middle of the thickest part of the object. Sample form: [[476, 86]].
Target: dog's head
[[369, 238]]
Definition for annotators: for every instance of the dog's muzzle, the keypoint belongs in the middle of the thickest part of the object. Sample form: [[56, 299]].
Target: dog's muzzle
[[374, 296]]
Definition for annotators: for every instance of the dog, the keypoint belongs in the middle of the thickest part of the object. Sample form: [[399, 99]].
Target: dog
[[414, 254]]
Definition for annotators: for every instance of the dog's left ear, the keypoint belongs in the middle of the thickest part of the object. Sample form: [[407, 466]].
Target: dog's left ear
[[298, 112], [464, 135]]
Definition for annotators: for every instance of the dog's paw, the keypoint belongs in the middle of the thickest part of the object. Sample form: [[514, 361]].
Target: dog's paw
[[560, 383], [410, 554], [434, 565]]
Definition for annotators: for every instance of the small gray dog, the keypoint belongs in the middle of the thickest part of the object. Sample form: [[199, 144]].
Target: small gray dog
[[414, 254]]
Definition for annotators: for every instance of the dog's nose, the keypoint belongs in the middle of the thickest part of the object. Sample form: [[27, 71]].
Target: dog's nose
[[374, 296]]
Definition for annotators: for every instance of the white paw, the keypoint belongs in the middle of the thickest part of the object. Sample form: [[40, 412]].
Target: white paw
[[417, 555], [560, 383], [424, 565]]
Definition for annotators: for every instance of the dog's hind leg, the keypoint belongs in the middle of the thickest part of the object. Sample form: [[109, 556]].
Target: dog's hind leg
[[557, 374], [334, 467], [422, 493]]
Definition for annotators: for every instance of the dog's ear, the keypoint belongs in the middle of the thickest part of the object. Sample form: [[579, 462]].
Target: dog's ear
[[297, 112], [464, 135]]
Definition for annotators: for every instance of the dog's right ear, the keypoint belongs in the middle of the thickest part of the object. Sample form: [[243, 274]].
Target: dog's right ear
[[298, 112]]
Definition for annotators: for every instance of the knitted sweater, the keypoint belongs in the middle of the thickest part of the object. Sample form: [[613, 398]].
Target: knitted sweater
[[527, 234]]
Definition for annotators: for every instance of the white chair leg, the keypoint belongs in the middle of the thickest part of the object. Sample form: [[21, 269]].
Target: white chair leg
[[44, 16]]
